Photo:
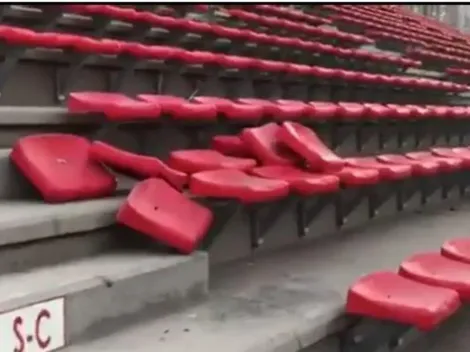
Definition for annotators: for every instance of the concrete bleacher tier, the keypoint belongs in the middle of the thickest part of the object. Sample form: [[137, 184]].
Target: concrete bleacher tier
[[170, 173]]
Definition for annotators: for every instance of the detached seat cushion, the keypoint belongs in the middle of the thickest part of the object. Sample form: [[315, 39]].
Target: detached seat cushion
[[114, 106], [235, 184], [139, 166], [301, 182], [196, 160], [58, 165], [391, 297], [157, 210], [436, 270], [304, 142], [388, 172], [230, 145], [263, 143], [232, 110], [181, 109], [457, 249]]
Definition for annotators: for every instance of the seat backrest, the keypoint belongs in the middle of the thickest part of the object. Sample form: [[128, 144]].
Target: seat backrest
[[304, 142], [263, 143]]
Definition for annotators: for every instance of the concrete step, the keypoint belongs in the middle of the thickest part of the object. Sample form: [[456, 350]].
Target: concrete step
[[83, 299], [287, 301], [36, 234]]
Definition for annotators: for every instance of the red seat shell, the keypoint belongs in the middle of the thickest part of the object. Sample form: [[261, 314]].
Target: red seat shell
[[157, 210], [59, 167]]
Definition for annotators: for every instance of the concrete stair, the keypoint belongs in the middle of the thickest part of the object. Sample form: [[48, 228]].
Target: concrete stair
[[287, 301]]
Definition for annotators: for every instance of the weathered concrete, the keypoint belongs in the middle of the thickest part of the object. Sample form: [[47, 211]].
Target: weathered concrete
[[109, 289], [289, 300]]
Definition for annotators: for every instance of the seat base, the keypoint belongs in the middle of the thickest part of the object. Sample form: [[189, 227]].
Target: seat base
[[391, 297]]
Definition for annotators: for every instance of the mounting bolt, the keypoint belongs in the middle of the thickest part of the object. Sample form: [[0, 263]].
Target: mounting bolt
[[345, 220], [260, 242], [306, 229]]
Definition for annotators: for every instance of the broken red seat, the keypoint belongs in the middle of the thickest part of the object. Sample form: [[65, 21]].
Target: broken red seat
[[181, 109], [196, 160], [58, 165], [436, 270], [457, 249], [300, 181], [446, 164], [263, 143], [140, 166], [462, 154], [387, 172], [157, 210], [304, 142], [272, 109], [236, 184], [114, 106], [418, 167], [388, 296], [230, 145], [232, 110]]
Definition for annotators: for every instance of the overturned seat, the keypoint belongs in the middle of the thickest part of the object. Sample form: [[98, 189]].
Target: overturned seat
[[157, 210], [306, 143], [264, 144], [388, 296], [139, 166], [58, 165], [114, 106]]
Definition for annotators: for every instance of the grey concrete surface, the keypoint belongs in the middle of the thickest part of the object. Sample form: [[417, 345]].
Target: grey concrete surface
[[22, 220], [109, 287], [289, 300]]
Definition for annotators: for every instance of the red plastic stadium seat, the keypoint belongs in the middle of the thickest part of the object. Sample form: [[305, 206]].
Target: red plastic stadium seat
[[196, 160], [235, 184], [389, 172], [307, 108], [232, 110], [58, 165], [324, 110], [418, 167], [389, 296], [159, 211], [457, 249], [351, 110], [262, 142], [306, 143], [114, 106], [230, 145], [181, 109], [436, 270], [446, 164], [140, 166], [355, 176], [277, 111], [462, 154], [301, 182]]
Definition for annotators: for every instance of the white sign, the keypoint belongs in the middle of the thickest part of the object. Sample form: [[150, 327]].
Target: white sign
[[36, 328]]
